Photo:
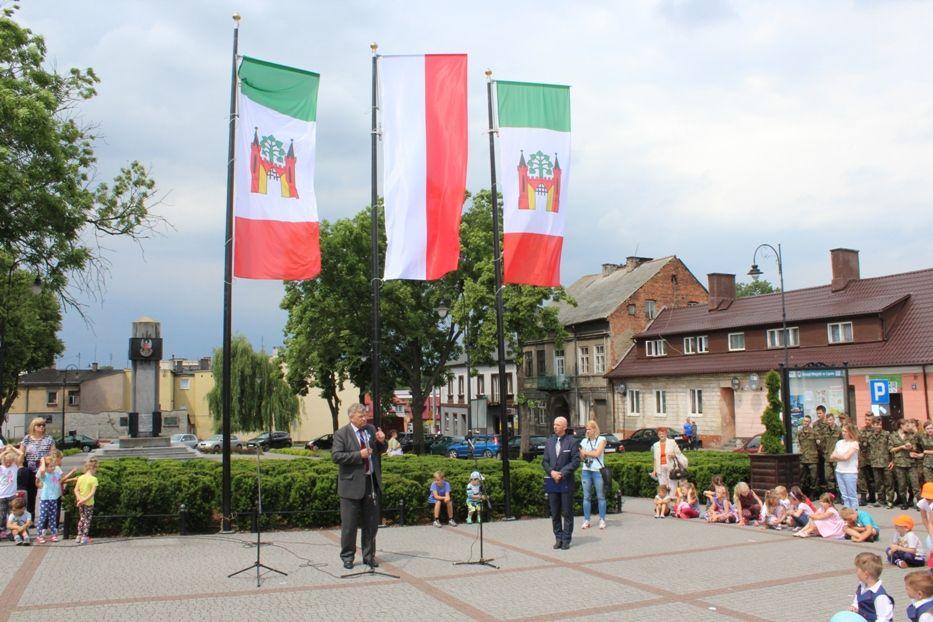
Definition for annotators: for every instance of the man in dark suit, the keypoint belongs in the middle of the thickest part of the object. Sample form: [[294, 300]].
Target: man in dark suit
[[357, 449], [561, 459]]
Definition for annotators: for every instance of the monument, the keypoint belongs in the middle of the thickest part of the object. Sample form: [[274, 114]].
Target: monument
[[145, 417]]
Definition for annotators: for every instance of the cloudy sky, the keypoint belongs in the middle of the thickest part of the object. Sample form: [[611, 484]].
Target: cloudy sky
[[700, 128]]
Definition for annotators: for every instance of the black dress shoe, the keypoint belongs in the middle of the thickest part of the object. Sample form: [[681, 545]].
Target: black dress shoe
[[348, 565], [565, 545], [557, 545]]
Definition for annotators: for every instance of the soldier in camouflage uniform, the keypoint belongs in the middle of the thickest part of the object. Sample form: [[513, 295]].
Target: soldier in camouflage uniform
[[900, 444], [866, 487], [827, 433], [809, 455], [926, 446], [917, 454], [879, 457]]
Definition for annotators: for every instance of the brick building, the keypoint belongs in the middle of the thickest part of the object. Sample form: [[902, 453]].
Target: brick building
[[611, 307], [708, 362]]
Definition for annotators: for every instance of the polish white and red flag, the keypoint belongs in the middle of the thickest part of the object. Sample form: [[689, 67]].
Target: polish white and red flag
[[423, 105]]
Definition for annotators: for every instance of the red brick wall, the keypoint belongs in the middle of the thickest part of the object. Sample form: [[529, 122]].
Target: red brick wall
[[622, 325]]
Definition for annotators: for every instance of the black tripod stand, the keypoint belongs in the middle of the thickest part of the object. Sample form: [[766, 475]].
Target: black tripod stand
[[482, 561], [372, 569], [258, 565]]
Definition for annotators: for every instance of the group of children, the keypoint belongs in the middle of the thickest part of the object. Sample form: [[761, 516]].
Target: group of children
[[872, 602], [440, 496], [51, 484]]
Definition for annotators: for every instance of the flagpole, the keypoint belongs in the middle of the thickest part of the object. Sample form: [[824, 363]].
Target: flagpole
[[374, 249], [500, 332], [225, 491]]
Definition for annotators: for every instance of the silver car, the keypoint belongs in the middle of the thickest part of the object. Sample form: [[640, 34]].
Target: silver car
[[214, 444], [189, 440]]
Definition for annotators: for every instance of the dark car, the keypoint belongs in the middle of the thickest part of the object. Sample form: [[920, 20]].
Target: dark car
[[751, 446], [535, 446], [613, 444], [79, 441], [644, 438], [440, 445], [325, 441], [276, 440]]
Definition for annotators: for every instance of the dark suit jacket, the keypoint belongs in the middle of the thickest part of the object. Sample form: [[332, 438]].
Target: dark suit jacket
[[351, 481], [569, 459]]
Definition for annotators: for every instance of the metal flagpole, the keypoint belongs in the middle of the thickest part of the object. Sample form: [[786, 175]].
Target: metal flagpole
[[374, 248], [225, 492], [500, 333]]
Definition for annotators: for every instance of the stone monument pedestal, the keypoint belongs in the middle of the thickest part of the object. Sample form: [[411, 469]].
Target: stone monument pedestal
[[147, 442]]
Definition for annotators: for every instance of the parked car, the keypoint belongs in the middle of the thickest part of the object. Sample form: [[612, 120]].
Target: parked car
[[642, 439], [440, 445], [79, 441], [613, 444], [215, 444], [751, 446], [325, 441], [535, 446], [484, 446], [267, 441], [189, 440]]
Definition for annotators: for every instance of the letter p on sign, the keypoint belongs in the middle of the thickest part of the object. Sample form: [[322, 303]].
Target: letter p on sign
[[879, 392]]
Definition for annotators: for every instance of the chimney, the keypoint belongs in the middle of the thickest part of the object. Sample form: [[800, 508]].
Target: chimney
[[633, 262], [609, 268], [721, 291], [845, 267]]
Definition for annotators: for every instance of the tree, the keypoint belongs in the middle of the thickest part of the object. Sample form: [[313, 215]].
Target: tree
[[771, 418], [260, 397], [54, 214], [755, 288]]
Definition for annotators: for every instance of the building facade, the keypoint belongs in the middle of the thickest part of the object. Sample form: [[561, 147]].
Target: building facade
[[708, 362], [482, 390], [570, 380]]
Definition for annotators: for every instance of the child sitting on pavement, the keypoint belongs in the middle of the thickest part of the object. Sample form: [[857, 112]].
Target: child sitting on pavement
[[826, 521], [440, 495], [710, 493], [662, 502], [474, 498], [871, 601], [19, 521], [919, 587], [860, 526], [906, 548], [772, 513], [747, 504], [688, 506], [721, 508], [800, 509]]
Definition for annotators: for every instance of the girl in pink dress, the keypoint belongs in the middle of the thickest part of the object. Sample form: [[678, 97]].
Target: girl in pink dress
[[825, 521]]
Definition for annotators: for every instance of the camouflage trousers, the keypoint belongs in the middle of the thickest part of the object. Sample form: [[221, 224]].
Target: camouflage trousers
[[927, 474], [883, 480], [829, 473], [866, 482], [809, 477], [907, 481]]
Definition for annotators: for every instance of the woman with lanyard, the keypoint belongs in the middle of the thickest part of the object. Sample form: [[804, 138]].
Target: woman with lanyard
[[36, 445], [591, 454]]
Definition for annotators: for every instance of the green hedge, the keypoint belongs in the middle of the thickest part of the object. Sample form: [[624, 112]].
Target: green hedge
[[303, 492]]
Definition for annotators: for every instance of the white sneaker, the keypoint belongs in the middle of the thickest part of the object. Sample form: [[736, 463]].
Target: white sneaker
[[437, 523], [452, 522], [602, 524], [586, 525]]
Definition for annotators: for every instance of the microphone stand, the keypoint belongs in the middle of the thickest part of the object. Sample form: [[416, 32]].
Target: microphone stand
[[258, 565], [482, 561], [376, 505]]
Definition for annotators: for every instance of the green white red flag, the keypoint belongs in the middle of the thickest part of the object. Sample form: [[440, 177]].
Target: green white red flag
[[276, 234], [534, 146]]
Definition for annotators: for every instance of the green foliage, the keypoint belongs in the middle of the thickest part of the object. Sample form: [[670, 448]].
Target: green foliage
[[294, 451], [755, 288], [54, 214], [302, 493], [260, 397], [771, 442], [74, 451]]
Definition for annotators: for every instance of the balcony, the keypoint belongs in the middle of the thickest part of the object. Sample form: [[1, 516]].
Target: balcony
[[553, 383]]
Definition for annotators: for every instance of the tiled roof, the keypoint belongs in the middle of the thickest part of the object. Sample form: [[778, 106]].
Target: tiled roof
[[50, 376], [598, 295], [909, 342]]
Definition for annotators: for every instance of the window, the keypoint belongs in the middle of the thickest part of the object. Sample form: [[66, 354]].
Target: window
[[583, 363], [631, 310], [634, 402], [651, 307], [74, 397], [599, 359], [542, 366], [660, 402], [840, 332], [690, 345], [703, 344], [460, 389], [559, 362], [655, 347], [51, 398], [184, 384], [508, 384], [529, 365], [494, 388], [736, 342], [450, 389], [696, 401], [775, 341]]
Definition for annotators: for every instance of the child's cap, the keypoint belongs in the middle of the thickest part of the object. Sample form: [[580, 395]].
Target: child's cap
[[927, 491], [903, 520], [477, 475]]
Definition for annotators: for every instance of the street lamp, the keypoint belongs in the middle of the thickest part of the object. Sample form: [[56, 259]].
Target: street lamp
[[68, 367], [755, 272]]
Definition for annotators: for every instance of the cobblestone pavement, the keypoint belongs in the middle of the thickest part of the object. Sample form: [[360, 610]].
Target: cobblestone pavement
[[639, 568]]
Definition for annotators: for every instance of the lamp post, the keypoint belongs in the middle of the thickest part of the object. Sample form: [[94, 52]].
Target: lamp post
[[68, 367], [755, 272]]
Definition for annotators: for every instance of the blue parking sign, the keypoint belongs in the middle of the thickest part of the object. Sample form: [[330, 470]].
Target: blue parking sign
[[880, 391]]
